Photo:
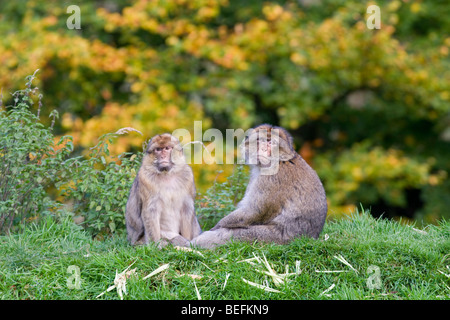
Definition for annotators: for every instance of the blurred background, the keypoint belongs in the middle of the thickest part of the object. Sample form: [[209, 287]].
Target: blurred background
[[368, 108]]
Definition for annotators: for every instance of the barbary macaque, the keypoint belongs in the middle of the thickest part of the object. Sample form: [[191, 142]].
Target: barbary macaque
[[284, 198], [160, 206]]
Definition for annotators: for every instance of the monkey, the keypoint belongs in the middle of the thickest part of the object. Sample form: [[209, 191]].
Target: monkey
[[160, 206], [284, 198]]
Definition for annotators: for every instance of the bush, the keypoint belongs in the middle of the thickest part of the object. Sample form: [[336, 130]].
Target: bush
[[30, 161], [221, 198], [100, 189], [33, 168]]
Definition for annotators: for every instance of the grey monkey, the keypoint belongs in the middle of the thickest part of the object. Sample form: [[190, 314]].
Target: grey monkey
[[284, 199]]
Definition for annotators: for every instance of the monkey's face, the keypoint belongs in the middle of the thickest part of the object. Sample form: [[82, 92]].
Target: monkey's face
[[163, 158], [266, 146], [264, 151], [164, 152]]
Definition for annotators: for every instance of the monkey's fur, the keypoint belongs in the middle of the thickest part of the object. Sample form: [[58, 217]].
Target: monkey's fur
[[160, 206], [275, 208]]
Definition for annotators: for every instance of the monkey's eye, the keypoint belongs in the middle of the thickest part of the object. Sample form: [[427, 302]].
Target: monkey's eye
[[158, 149], [167, 148]]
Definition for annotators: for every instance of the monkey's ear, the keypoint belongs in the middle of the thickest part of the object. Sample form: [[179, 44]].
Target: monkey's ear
[[285, 150], [282, 146], [177, 155], [286, 155], [148, 145]]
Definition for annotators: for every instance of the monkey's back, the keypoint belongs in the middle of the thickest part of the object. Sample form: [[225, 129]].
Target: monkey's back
[[303, 200]]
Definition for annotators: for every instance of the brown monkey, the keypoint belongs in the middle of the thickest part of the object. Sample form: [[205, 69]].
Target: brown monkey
[[161, 202], [284, 198]]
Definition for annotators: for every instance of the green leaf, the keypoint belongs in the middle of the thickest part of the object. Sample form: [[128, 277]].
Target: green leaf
[[112, 226]]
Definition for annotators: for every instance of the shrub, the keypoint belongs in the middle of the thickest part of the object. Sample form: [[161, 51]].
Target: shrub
[[30, 161], [99, 188], [221, 198], [33, 167]]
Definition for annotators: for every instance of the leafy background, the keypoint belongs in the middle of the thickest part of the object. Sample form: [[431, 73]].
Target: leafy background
[[369, 109]]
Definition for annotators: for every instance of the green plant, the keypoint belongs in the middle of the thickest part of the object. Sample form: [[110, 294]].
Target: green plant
[[100, 188], [33, 168], [221, 198], [30, 161]]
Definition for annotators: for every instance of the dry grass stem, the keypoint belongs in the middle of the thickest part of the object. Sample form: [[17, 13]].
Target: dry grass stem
[[196, 291], [160, 269], [193, 276], [227, 275], [250, 260], [120, 282], [325, 292], [420, 231], [189, 250], [330, 271], [127, 130], [265, 288], [277, 280], [198, 142], [341, 259]]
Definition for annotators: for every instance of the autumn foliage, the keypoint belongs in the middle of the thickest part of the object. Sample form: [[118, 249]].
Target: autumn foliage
[[369, 109]]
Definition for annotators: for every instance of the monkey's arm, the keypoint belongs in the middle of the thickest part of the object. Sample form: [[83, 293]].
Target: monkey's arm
[[190, 227], [239, 218], [151, 218], [134, 224]]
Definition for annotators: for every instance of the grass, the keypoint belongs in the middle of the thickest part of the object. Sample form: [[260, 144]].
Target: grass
[[412, 264]]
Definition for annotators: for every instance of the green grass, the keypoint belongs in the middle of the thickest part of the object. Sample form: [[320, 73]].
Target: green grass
[[34, 264]]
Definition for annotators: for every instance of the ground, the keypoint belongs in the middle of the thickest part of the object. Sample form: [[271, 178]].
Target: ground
[[358, 257]]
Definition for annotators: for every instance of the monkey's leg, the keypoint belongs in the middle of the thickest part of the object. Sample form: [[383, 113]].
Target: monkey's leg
[[262, 233], [135, 236], [134, 224], [189, 226], [141, 240], [173, 238], [152, 227], [212, 239], [135, 229], [180, 241]]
